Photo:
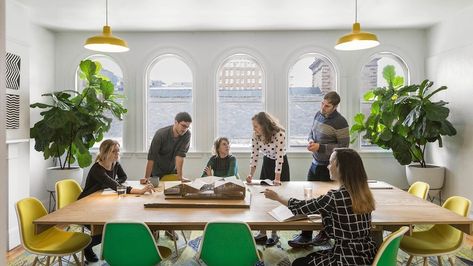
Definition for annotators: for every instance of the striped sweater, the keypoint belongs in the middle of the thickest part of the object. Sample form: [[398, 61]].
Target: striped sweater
[[330, 132]]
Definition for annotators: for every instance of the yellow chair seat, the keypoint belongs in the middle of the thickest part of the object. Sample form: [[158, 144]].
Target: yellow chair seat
[[57, 242], [439, 240], [169, 177], [432, 241]]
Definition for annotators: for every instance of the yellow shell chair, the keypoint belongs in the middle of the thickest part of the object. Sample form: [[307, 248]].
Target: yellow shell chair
[[173, 177], [67, 192], [441, 239], [419, 189], [53, 242]]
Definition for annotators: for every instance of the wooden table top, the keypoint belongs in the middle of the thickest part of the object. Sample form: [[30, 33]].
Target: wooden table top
[[394, 208]]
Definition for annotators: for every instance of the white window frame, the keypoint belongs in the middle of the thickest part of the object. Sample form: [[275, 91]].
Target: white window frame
[[263, 82], [149, 67], [326, 57]]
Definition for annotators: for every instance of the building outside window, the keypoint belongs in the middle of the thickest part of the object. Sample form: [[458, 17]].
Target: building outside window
[[238, 99], [169, 92], [310, 78]]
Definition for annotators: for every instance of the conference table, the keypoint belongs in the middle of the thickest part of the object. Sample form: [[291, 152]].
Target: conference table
[[394, 208]]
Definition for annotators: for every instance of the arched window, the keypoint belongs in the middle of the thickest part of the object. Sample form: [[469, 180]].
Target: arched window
[[240, 85], [114, 73], [310, 78], [169, 92], [372, 77]]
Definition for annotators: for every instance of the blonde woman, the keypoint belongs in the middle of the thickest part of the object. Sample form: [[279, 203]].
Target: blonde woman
[[269, 138], [106, 173], [346, 213], [222, 163]]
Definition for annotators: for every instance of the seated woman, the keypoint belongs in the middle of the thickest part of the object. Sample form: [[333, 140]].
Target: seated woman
[[346, 213], [222, 163], [106, 173]]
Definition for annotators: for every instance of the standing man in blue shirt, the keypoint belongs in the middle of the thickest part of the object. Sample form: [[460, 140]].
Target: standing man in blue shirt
[[329, 131]]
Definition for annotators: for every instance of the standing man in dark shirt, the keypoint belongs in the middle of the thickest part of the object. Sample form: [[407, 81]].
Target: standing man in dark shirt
[[329, 131], [168, 149]]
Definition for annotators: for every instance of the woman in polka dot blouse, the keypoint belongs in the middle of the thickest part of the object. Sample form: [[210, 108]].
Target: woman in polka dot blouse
[[269, 138]]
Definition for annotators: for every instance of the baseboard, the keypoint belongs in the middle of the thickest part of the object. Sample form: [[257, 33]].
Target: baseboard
[[13, 238]]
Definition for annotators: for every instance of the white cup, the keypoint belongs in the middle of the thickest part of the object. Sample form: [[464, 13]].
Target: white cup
[[121, 191], [307, 193]]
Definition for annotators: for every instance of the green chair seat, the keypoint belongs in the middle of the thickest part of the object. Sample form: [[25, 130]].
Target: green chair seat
[[130, 243], [229, 244], [387, 252]]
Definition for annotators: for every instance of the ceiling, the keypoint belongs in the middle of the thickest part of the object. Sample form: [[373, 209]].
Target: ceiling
[[214, 15]]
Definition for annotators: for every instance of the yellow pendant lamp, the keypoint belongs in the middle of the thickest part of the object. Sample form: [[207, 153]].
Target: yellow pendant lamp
[[357, 39], [106, 42]]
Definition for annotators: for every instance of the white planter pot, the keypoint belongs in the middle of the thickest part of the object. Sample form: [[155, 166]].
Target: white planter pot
[[432, 175], [56, 174]]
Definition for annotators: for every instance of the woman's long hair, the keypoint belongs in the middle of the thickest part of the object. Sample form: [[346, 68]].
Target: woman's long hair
[[353, 177], [269, 125], [217, 144], [105, 149]]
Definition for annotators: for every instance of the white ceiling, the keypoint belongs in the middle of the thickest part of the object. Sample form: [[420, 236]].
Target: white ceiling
[[190, 15]]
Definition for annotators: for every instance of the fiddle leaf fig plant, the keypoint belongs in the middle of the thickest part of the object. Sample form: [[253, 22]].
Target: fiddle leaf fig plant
[[72, 122], [404, 118]]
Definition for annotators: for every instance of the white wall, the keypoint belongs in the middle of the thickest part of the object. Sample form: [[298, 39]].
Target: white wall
[[450, 62], [204, 51], [3, 146], [35, 46], [42, 67]]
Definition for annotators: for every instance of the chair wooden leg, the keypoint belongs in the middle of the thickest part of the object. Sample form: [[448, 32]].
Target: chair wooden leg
[[409, 260], [450, 259], [35, 261], [426, 263], [48, 259], [439, 258], [76, 259], [59, 260], [82, 258]]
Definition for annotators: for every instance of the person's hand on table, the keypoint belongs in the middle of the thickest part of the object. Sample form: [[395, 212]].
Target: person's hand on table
[[208, 170], [271, 194], [277, 182], [144, 180], [185, 180], [147, 188], [249, 178]]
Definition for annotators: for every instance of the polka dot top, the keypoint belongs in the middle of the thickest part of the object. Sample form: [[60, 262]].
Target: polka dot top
[[275, 149]]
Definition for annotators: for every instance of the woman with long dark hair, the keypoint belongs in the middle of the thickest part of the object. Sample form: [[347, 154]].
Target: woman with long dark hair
[[346, 213]]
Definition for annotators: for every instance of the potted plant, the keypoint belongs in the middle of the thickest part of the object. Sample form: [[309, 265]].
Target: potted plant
[[72, 122], [405, 119]]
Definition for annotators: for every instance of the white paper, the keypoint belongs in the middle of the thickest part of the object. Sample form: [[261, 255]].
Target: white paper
[[283, 214], [267, 182], [380, 185]]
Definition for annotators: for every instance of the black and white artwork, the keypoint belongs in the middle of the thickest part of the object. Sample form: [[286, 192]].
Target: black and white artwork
[[13, 111], [13, 71]]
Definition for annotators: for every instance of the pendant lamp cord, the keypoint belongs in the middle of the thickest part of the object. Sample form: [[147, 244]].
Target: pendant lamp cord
[[356, 11], [106, 12]]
